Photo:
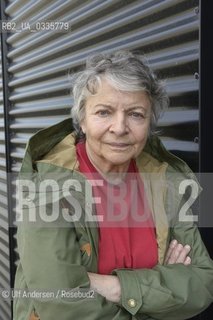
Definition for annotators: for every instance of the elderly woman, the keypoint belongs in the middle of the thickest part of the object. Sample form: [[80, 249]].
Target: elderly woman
[[111, 223]]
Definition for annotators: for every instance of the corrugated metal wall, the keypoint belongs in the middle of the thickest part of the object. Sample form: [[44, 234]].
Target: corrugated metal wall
[[167, 31], [4, 237]]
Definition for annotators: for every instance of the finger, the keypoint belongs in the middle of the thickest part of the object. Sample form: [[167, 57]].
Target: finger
[[172, 245], [188, 261], [183, 254], [175, 254]]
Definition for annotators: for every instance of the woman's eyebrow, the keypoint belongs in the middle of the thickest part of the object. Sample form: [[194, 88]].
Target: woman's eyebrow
[[136, 107], [104, 105], [110, 106]]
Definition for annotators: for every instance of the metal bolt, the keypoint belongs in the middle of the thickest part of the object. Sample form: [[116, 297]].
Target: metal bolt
[[196, 75], [196, 10]]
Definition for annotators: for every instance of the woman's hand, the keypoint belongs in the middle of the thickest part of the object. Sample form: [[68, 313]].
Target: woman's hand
[[106, 285], [109, 286], [177, 253]]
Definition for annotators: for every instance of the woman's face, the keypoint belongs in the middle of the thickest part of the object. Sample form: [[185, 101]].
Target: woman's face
[[116, 126]]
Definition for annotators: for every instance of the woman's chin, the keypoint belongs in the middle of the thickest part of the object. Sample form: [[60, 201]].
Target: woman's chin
[[118, 160]]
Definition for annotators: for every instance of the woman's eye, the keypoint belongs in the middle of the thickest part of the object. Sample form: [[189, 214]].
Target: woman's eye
[[103, 113], [137, 115]]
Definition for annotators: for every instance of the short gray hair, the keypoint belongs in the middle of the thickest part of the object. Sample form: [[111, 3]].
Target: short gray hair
[[126, 72]]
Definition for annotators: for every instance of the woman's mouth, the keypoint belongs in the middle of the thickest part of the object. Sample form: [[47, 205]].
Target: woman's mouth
[[119, 145]]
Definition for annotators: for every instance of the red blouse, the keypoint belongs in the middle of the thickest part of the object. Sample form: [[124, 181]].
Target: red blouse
[[126, 233]]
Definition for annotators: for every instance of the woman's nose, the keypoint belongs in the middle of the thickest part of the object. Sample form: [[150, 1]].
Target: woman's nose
[[119, 125]]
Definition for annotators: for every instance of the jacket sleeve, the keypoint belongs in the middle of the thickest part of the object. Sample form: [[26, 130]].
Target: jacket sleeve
[[170, 291], [51, 260]]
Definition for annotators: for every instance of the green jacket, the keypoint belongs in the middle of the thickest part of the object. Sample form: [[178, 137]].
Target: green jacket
[[57, 254]]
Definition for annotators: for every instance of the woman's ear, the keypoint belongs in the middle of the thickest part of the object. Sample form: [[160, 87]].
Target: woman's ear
[[83, 127]]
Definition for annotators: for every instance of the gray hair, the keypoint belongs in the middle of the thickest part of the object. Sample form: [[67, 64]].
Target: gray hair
[[125, 71]]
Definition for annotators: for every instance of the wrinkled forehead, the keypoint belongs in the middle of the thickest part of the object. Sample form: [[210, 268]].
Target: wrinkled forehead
[[110, 81]]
